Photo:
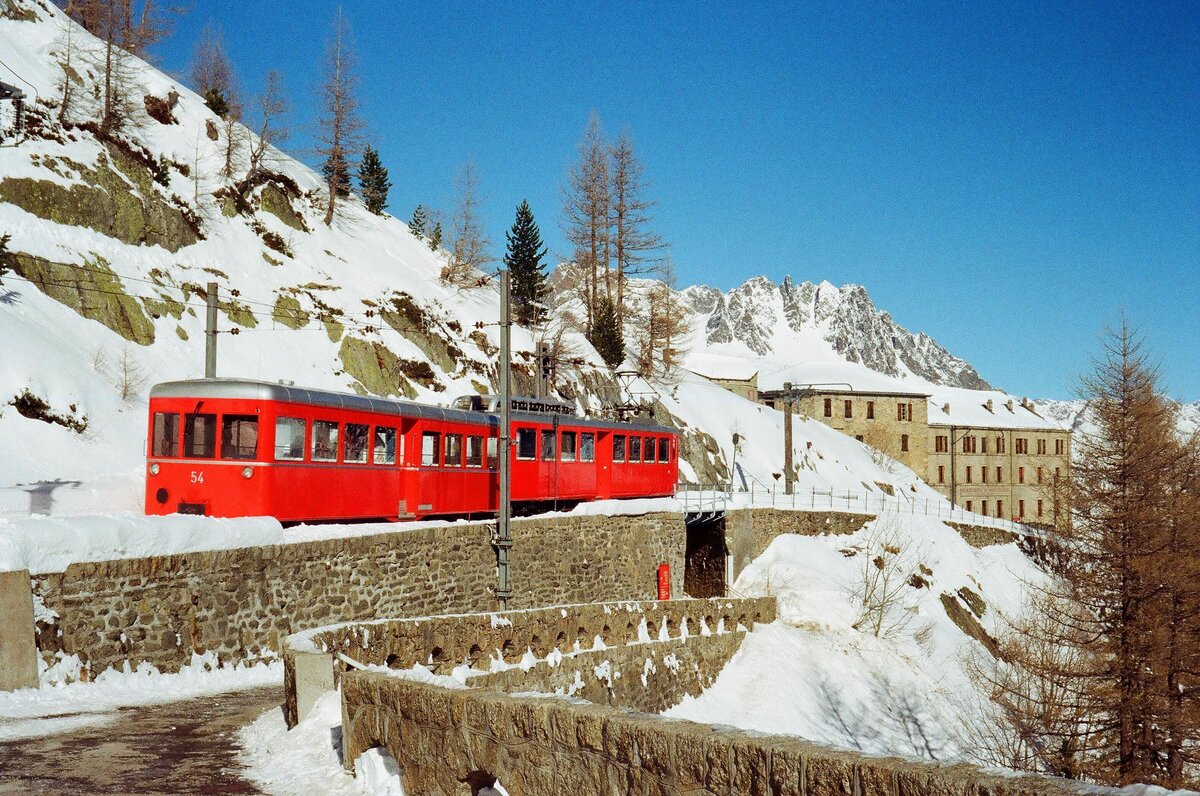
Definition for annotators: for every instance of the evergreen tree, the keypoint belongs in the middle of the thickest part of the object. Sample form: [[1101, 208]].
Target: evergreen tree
[[606, 334], [524, 261], [435, 237], [4, 239], [336, 171], [420, 219], [216, 102], [373, 178]]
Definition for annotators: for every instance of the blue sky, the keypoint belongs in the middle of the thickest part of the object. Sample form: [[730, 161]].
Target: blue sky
[[1006, 177]]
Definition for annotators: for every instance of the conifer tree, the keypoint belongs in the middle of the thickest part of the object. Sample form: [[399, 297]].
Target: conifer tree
[[606, 333], [373, 179], [524, 261], [420, 219], [212, 72], [4, 239], [336, 172], [435, 237]]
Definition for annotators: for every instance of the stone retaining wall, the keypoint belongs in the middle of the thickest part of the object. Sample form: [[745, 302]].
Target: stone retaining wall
[[701, 634], [553, 746], [239, 603]]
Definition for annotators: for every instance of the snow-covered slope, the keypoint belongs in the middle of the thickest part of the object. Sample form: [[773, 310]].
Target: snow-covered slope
[[114, 238]]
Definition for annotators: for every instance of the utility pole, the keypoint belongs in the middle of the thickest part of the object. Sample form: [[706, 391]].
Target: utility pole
[[543, 369], [503, 537], [787, 438], [210, 333]]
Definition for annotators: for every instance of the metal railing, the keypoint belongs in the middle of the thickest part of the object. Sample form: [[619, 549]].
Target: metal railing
[[864, 502], [704, 501]]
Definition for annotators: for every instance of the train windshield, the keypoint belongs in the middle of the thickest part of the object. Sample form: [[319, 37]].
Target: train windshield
[[239, 436], [200, 436], [166, 434]]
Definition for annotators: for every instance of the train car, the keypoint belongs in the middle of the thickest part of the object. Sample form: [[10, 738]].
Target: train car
[[237, 447]]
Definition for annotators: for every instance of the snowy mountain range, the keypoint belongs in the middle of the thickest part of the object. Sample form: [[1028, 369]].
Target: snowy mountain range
[[761, 319]]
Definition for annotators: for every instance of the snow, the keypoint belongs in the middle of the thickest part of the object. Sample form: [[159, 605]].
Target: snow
[[60, 706], [813, 674]]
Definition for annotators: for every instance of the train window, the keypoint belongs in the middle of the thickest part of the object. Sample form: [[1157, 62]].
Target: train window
[[587, 447], [664, 449], [493, 457], [454, 451], [429, 448], [289, 439], [356, 443], [239, 436], [474, 451], [635, 449], [568, 446], [200, 436], [324, 441], [548, 446], [648, 450], [385, 446], [526, 444], [166, 434], [618, 447]]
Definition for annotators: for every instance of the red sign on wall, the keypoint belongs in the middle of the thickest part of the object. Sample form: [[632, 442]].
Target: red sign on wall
[[664, 581]]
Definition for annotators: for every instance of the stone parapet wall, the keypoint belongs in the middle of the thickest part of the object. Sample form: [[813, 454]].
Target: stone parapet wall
[[982, 535], [706, 628], [240, 603], [554, 746]]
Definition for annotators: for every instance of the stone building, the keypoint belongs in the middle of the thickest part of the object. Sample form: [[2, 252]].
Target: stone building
[[988, 452], [893, 422], [745, 385], [999, 458]]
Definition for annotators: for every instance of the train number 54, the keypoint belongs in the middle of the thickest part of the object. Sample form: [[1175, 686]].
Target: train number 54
[[197, 476]]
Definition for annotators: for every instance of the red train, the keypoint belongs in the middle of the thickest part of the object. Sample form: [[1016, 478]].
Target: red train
[[236, 447]]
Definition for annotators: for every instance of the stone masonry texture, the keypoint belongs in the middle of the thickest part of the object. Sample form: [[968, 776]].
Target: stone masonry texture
[[241, 603]]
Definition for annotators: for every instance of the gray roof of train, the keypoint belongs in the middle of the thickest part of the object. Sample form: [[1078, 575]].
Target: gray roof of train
[[250, 389]]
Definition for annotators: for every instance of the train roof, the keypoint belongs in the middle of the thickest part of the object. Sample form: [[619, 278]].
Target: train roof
[[253, 389]]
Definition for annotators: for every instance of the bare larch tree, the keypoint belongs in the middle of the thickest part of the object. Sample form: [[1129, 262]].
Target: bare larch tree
[[339, 125], [586, 208]]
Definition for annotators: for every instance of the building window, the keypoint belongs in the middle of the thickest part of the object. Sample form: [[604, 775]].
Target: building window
[[904, 442], [1020, 475], [1022, 445], [970, 444], [999, 508], [941, 474], [1039, 510], [828, 407], [849, 408], [983, 508], [1056, 473], [968, 473], [1041, 448], [999, 444], [983, 474], [1020, 509], [983, 444], [1039, 475], [970, 505], [1060, 447], [941, 443], [904, 411], [870, 410], [999, 475]]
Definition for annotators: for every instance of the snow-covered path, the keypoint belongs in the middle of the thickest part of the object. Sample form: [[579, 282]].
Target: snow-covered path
[[179, 747]]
